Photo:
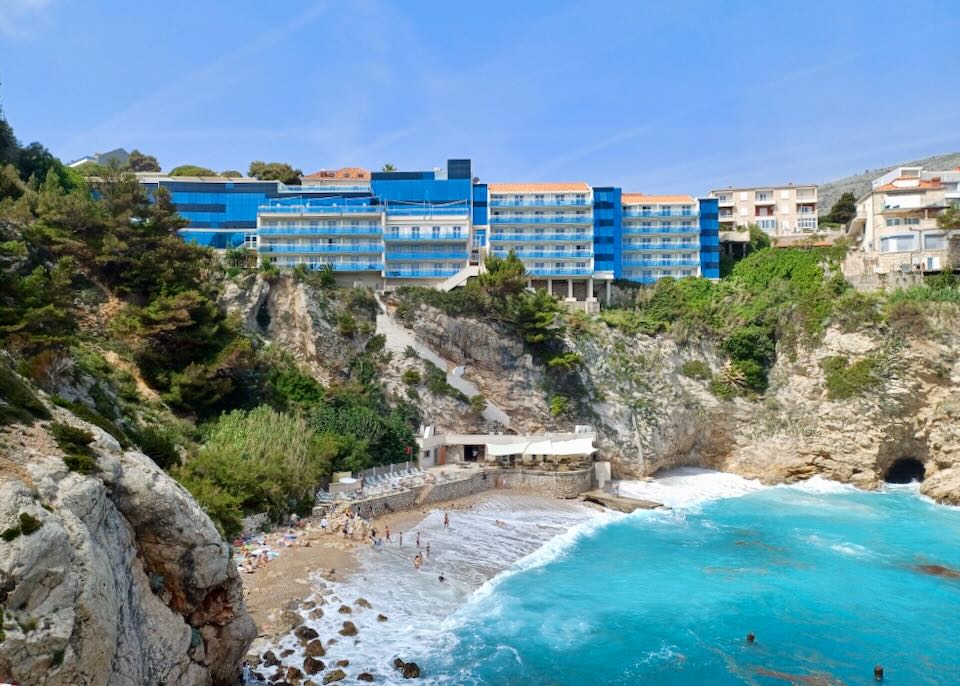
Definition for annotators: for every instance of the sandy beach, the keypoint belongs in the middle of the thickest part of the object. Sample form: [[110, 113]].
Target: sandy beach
[[273, 591]]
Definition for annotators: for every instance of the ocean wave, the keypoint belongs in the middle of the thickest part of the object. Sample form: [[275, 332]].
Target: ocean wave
[[687, 488], [821, 486]]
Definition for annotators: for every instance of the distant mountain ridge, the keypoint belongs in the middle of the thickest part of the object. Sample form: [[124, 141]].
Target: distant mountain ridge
[[859, 184]]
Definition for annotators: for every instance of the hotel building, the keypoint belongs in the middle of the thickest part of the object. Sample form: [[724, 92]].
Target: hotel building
[[895, 230], [777, 210], [386, 229]]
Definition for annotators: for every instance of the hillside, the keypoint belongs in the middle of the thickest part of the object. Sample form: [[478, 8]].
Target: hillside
[[858, 184]]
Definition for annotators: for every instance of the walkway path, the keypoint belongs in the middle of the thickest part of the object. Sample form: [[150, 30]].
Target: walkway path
[[398, 339]]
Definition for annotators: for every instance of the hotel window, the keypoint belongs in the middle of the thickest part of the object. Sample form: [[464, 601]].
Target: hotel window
[[561, 198], [438, 266], [435, 232], [539, 265], [518, 199], [935, 241], [899, 243], [539, 198], [911, 221], [581, 265], [414, 232], [580, 198], [394, 231]]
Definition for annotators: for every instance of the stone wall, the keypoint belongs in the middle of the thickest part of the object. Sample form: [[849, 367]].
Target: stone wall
[[548, 484], [545, 484]]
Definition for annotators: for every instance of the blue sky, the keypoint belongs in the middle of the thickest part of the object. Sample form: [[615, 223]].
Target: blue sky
[[656, 97]]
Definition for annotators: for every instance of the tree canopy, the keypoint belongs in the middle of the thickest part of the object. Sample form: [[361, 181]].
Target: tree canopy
[[274, 171], [141, 162], [843, 210], [192, 170]]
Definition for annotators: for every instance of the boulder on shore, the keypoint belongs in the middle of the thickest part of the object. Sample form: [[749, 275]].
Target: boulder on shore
[[349, 629], [335, 675]]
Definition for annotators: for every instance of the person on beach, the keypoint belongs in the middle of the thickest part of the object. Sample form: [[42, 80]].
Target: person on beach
[[446, 521], [428, 550], [387, 533], [400, 539], [324, 524], [417, 561], [418, 539], [442, 578]]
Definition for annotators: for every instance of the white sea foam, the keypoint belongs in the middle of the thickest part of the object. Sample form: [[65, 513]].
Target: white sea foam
[[820, 486], [687, 487], [475, 555]]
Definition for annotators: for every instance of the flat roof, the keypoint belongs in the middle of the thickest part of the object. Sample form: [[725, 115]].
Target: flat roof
[[569, 186], [642, 199], [782, 187]]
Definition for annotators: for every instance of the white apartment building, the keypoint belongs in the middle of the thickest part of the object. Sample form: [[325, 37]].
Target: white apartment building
[[895, 230], [777, 210]]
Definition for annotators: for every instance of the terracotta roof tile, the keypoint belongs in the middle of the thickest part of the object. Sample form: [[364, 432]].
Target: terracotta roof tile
[[642, 199], [922, 184], [571, 187]]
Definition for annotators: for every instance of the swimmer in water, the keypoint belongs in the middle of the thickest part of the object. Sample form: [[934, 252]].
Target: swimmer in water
[[441, 578]]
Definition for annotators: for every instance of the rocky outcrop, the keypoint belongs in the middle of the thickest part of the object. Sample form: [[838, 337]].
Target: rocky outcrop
[[301, 319], [652, 412], [125, 580]]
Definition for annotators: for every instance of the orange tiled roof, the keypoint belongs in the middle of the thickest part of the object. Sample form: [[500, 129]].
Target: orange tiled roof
[[571, 187], [923, 184], [642, 199], [342, 173]]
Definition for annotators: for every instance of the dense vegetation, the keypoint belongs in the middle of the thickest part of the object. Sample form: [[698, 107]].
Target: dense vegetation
[[103, 306], [500, 295]]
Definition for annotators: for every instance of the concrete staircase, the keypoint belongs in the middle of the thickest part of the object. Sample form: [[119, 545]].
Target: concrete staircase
[[459, 278], [398, 339]]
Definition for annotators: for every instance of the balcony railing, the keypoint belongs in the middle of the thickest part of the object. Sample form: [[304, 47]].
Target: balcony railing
[[539, 219], [629, 214], [661, 263], [300, 230], [647, 230], [540, 237], [662, 247], [415, 238], [427, 210], [558, 271], [535, 254], [426, 256], [343, 266], [348, 188], [545, 202], [375, 248], [421, 273], [321, 210]]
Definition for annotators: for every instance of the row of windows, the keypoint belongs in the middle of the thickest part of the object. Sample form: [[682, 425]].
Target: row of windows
[[904, 242], [903, 221]]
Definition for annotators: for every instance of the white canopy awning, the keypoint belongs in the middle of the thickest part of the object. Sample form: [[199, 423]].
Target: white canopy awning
[[545, 446], [501, 449]]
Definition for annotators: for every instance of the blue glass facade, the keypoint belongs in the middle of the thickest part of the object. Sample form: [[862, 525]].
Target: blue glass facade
[[416, 225], [607, 229], [710, 238]]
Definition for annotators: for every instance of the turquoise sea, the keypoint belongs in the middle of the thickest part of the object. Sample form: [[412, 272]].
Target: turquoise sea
[[830, 580]]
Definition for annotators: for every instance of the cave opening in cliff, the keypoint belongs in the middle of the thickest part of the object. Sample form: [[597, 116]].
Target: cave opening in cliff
[[904, 471]]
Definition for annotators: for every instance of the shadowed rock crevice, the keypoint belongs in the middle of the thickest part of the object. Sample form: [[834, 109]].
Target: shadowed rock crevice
[[904, 471]]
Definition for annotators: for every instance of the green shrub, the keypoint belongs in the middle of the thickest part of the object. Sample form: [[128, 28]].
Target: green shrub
[[436, 382], [906, 317], [76, 444], [346, 325], [696, 369], [411, 377], [845, 380], [723, 389], [478, 403], [559, 404], [95, 418], [29, 523], [21, 403], [567, 361], [157, 444], [10, 534]]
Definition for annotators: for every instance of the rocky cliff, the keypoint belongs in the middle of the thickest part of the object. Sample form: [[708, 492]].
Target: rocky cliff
[[650, 398], [115, 577]]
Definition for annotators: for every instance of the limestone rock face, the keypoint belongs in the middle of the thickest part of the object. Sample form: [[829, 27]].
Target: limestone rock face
[[650, 415], [126, 580]]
